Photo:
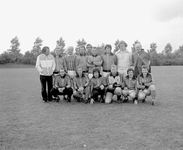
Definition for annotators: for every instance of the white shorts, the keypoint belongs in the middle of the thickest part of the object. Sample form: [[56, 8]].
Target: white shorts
[[105, 73], [123, 71], [71, 73]]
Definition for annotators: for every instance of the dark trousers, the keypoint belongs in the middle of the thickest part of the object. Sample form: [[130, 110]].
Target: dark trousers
[[46, 81], [96, 92], [67, 91]]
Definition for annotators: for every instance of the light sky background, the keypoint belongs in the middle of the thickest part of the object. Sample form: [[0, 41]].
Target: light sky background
[[97, 21]]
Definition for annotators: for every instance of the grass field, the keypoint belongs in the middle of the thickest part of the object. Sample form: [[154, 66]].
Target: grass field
[[27, 123]]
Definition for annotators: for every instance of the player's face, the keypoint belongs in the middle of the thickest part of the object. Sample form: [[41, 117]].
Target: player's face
[[96, 74], [138, 48], [144, 71], [70, 51], [108, 50], [47, 51], [89, 48], [82, 50], [94, 51], [130, 73], [57, 52], [114, 70], [62, 72], [122, 47]]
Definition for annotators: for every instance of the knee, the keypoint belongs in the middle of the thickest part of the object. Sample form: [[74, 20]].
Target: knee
[[152, 87], [114, 98], [108, 98], [141, 95], [125, 93], [132, 95], [118, 91]]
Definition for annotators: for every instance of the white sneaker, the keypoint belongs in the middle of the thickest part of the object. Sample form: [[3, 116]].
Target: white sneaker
[[135, 102], [92, 101]]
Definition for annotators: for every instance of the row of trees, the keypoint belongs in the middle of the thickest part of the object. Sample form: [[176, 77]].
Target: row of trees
[[13, 55]]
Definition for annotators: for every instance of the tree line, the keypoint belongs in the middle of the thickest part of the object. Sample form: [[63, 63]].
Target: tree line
[[14, 55]]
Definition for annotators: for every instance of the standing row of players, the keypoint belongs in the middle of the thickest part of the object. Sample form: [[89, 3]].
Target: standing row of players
[[96, 77]]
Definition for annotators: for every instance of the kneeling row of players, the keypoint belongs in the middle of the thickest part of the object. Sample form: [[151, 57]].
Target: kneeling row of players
[[114, 87]]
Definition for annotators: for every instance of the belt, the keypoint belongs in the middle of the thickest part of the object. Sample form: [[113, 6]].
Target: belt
[[106, 70], [85, 71], [55, 72]]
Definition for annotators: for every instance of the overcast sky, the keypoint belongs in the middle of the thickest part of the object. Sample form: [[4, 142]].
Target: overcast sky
[[97, 21]]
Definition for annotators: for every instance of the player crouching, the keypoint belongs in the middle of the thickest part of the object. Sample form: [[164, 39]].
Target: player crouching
[[130, 87], [114, 85], [97, 87], [62, 86], [81, 86], [145, 85]]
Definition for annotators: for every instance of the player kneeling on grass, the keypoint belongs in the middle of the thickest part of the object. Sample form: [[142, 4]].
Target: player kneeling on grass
[[130, 86], [145, 85], [97, 87], [62, 86], [80, 85], [114, 85]]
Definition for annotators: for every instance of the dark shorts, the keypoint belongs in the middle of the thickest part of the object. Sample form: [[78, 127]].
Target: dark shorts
[[56, 72]]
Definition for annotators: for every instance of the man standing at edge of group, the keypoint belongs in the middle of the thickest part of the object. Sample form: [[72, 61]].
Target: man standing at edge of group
[[140, 58], [45, 64], [123, 58]]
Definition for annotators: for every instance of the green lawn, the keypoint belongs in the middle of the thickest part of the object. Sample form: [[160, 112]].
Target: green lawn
[[27, 123]]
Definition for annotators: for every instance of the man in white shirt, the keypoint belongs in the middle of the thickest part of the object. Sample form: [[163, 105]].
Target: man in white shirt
[[123, 58], [45, 65]]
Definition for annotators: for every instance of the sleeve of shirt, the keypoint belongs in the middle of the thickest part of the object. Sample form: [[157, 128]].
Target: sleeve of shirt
[[68, 81], [38, 64], [91, 85], [99, 62], [56, 83], [139, 83], [89, 63], [130, 59], [74, 83], [115, 59], [65, 65], [75, 62], [54, 64]]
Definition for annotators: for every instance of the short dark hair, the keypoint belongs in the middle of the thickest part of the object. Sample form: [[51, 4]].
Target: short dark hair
[[122, 42], [144, 67], [130, 69], [44, 49], [96, 70], [89, 45], [108, 45]]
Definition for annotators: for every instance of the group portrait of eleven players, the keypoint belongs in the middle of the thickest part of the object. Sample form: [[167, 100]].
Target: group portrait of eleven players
[[91, 77]]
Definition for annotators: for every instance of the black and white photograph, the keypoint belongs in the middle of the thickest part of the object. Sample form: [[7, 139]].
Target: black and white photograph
[[91, 75]]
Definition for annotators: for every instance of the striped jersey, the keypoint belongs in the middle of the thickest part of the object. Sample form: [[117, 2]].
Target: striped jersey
[[70, 62]]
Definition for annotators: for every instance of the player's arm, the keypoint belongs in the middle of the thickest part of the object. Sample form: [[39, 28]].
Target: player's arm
[[139, 84]]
